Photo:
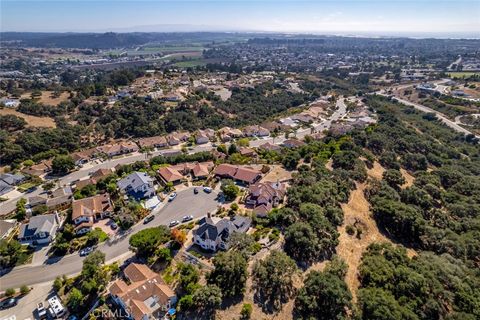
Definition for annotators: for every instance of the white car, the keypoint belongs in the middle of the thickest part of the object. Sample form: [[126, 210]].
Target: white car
[[86, 251], [173, 223], [187, 218], [172, 196]]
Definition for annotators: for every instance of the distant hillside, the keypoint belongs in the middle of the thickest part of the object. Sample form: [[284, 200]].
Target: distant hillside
[[107, 40]]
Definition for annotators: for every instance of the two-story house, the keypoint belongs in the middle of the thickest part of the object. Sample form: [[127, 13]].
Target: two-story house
[[39, 229], [142, 294], [138, 185], [213, 233], [85, 212], [265, 196]]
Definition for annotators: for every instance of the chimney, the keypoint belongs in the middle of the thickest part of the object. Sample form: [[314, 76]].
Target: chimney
[[209, 214]]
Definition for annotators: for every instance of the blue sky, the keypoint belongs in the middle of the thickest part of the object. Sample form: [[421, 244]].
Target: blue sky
[[341, 16]]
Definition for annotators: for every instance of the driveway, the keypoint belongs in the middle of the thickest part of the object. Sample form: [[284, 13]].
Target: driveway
[[27, 304], [186, 203]]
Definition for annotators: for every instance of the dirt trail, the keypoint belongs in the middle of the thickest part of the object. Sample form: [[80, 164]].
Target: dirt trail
[[350, 248]]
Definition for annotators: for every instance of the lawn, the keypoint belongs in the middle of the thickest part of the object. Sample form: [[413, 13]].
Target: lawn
[[27, 185]]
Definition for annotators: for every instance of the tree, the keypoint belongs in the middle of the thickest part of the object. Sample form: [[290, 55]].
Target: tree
[[232, 149], [146, 241], [230, 273], [207, 298], [47, 186], [62, 164], [10, 292], [246, 311], [291, 159], [20, 210], [179, 236], [189, 277], [324, 296], [75, 299], [378, 304], [273, 279], [24, 289], [230, 190], [393, 178], [301, 242]]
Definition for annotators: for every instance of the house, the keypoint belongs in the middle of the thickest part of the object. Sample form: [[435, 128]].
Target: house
[[83, 183], [255, 131], [201, 170], [100, 174], [5, 187], [88, 210], [12, 179], [118, 148], [138, 185], [267, 146], [247, 152], [39, 229], [6, 228], [201, 138], [240, 174], [153, 142], [144, 295], [82, 157], [36, 201], [60, 198], [169, 174], [227, 133], [39, 169], [213, 233], [292, 143], [265, 196], [173, 140]]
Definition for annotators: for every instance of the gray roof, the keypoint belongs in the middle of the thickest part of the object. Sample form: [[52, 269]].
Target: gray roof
[[223, 228], [5, 187], [134, 180], [12, 179], [42, 223]]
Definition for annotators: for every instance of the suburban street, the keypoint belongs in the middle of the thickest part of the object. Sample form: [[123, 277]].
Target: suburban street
[[186, 203]]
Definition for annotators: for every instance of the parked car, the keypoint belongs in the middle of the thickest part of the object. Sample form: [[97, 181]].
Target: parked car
[[172, 196], [148, 219], [195, 190], [114, 226], [8, 303], [41, 311], [86, 251], [187, 218], [207, 189], [173, 223]]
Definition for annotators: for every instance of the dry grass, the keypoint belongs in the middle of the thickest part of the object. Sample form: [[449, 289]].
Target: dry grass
[[32, 121], [409, 179], [47, 98], [350, 248], [277, 173], [376, 171]]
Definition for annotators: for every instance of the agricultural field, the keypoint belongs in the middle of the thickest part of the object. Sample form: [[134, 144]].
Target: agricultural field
[[461, 75]]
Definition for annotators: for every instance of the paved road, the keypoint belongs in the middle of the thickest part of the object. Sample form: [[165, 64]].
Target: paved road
[[186, 203], [439, 115], [8, 206]]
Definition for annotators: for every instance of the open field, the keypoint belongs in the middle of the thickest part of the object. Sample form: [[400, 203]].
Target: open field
[[462, 74], [47, 97], [32, 121], [190, 63]]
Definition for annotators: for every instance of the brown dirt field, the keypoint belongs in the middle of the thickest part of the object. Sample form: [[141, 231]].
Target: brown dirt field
[[47, 99], [350, 248], [32, 121], [409, 179], [277, 173], [376, 172]]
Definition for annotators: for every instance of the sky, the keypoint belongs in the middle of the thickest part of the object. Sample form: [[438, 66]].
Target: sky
[[314, 16]]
